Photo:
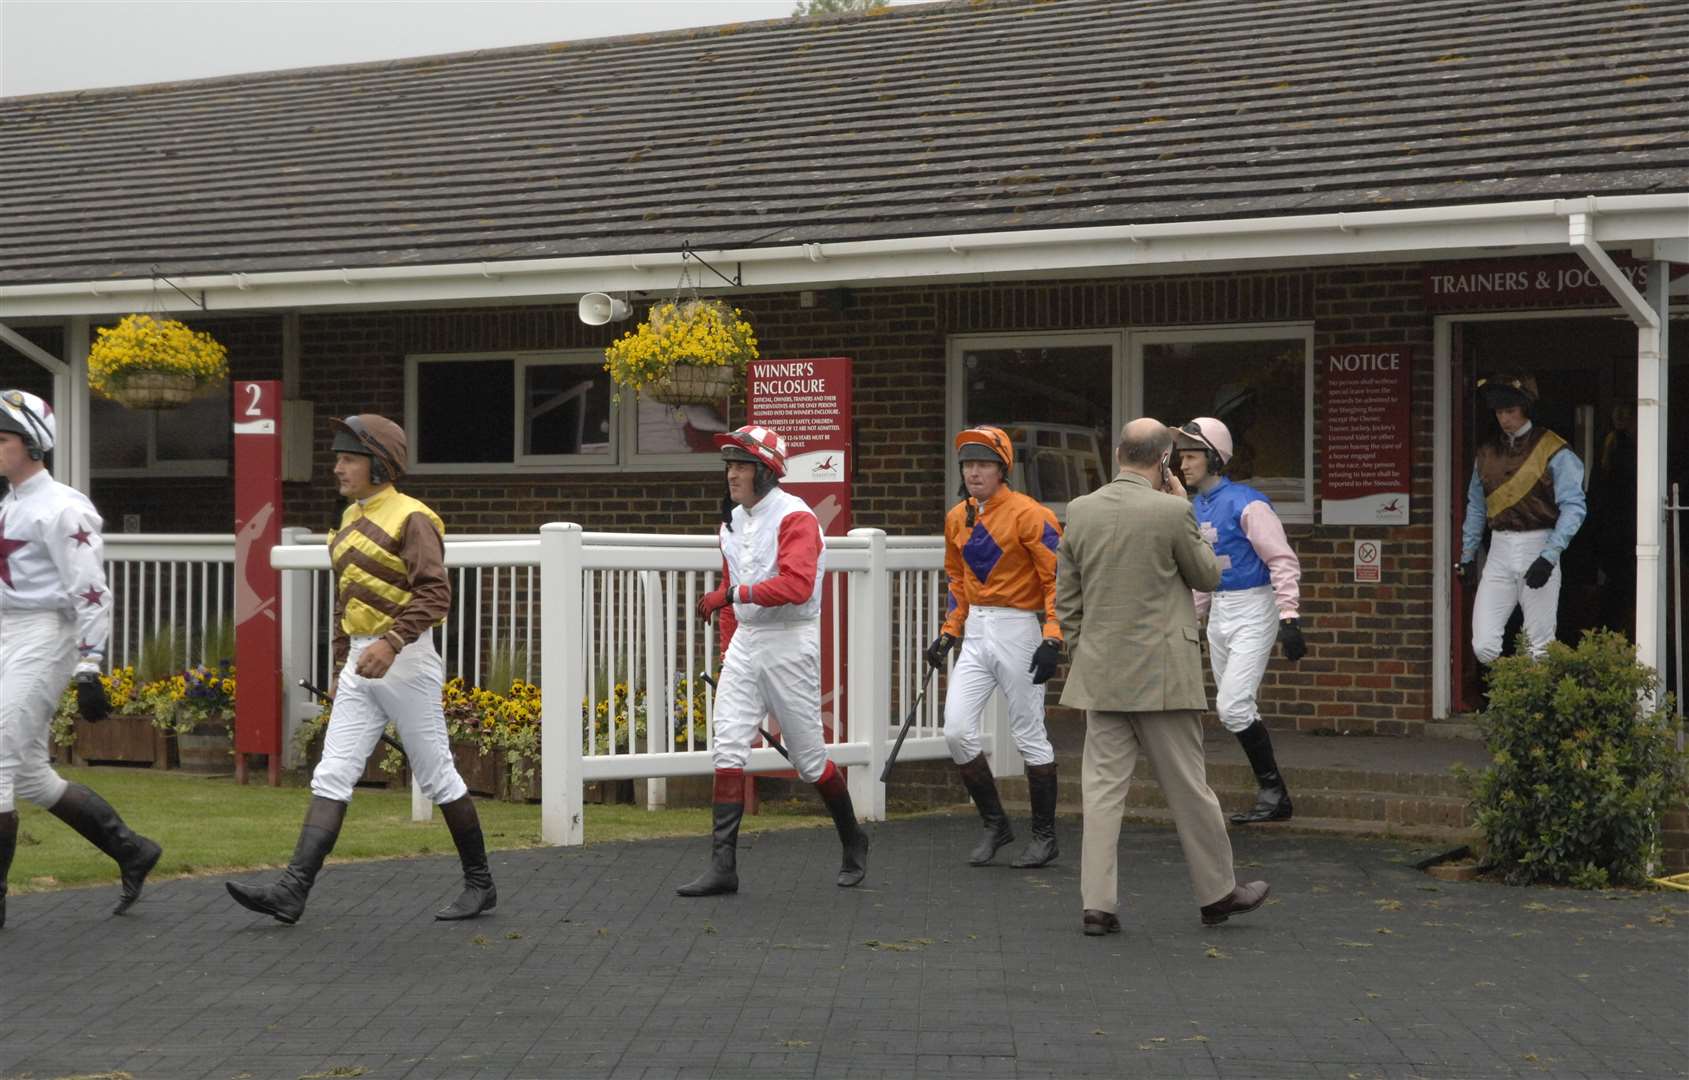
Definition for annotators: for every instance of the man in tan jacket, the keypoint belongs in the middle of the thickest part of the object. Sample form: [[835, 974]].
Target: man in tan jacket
[[1124, 574]]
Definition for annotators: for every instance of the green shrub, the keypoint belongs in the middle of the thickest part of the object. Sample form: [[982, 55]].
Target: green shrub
[[163, 654], [1585, 763]]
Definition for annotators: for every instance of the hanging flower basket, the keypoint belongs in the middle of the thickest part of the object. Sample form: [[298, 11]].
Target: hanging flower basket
[[693, 384], [149, 363], [691, 352], [154, 390]]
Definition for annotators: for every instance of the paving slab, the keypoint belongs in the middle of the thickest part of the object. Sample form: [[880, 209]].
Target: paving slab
[[1358, 968]]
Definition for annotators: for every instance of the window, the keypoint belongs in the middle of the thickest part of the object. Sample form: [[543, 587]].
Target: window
[[193, 440], [1054, 395], [545, 411], [1257, 380]]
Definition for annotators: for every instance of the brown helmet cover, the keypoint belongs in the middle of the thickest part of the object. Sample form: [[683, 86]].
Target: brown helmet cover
[[378, 436]]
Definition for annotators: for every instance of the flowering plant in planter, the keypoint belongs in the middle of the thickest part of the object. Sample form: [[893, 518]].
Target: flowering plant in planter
[[120, 692], [148, 363], [188, 699], [688, 352]]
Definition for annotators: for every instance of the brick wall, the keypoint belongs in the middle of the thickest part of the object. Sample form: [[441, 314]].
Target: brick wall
[[1369, 665]]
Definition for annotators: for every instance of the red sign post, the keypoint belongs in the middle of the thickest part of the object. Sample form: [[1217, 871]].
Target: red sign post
[[258, 508], [1367, 464], [808, 402]]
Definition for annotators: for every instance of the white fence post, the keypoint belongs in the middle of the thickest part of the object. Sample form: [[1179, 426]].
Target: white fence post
[[659, 707], [870, 636], [296, 651], [563, 679]]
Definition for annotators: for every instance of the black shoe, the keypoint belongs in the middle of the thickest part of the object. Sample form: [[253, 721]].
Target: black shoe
[[1041, 792], [1242, 900], [723, 875], [1098, 923], [976, 777], [853, 863], [478, 894], [94, 819], [285, 900], [1272, 801], [8, 847]]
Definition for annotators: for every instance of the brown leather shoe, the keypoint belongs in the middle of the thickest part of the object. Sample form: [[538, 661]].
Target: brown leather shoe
[[1244, 899], [1098, 923]]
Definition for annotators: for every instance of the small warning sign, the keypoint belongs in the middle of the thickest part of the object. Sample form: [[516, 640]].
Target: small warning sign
[[1369, 561]]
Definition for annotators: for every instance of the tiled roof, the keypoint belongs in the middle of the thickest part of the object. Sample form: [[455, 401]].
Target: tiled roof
[[933, 119]]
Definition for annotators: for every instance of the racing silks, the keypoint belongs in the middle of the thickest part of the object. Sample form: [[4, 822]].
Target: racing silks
[[1005, 558], [390, 572]]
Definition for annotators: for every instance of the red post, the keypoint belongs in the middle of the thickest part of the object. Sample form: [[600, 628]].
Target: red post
[[258, 509]]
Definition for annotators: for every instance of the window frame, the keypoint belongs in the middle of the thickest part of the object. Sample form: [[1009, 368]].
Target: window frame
[[623, 456], [156, 466], [956, 345], [1300, 512]]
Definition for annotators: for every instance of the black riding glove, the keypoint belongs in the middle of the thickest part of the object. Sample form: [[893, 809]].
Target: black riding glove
[[1290, 636], [1468, 571], [91, 700], [1044, 661], [941, 645], [1539, 573]]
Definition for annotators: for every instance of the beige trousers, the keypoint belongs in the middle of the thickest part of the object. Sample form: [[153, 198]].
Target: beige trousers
[[1173, 742]]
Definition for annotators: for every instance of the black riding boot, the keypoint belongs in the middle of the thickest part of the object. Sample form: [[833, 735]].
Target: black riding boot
[[285, 900], [976, 777], [1272, 802], [478, 892], [8, 847], [94, 819], [853, 864], [1041, 792], [723, 874]]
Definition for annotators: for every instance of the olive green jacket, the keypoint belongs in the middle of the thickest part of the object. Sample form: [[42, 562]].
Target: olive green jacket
[[1124, 573]]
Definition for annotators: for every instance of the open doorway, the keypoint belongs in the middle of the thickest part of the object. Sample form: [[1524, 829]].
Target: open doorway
[[1585, 369]]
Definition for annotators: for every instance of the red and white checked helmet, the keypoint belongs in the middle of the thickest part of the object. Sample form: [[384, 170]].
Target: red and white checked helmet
[[756, 443]]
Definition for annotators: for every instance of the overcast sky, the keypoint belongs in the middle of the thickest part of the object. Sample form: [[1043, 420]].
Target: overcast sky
[[52, 45]]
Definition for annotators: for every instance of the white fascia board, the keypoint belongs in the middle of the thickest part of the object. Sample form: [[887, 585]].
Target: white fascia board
[[1290, 241]]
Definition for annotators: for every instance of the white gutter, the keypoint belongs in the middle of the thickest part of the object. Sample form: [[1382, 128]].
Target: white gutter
[[1650, 431], [1294, 240]]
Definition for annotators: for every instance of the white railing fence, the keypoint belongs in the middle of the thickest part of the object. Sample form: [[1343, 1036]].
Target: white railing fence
[[624, 674], [165, 587]]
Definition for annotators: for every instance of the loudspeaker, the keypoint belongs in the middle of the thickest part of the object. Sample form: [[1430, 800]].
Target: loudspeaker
[[598, 308]]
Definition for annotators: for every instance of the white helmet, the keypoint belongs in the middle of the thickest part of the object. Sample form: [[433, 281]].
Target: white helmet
[[1205, 433], [24, 414]]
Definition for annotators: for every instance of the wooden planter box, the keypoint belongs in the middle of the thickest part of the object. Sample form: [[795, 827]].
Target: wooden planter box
[[595, 791], [372, 775], [129, 739], [483, 771], [209, 748]]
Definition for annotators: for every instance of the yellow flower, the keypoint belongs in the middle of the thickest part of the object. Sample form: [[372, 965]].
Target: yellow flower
[[702, 332], [142, 343]]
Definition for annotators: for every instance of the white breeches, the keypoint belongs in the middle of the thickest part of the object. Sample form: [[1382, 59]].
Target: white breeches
[[1502, 588], [1242, 630], [997, 648], [771, 669], [408, 696], [37, 656]]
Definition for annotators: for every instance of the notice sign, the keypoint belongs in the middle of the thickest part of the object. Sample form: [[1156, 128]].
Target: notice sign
[[1369, 561], [1367, 463], [808, 401]]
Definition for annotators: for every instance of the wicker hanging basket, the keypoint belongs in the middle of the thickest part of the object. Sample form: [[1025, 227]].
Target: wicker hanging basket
[[155, 390], [693, 384]]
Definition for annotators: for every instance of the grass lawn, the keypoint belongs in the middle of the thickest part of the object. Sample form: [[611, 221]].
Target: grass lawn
[[211, 825]]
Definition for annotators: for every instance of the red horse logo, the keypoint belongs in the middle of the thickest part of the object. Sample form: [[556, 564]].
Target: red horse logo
[[827, 466], [1394, 506]]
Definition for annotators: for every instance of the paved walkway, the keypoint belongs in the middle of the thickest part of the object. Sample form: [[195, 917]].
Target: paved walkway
[[592, 967]]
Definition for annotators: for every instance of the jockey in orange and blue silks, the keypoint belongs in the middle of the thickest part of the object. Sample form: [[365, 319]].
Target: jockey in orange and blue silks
[[1000, 558]]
